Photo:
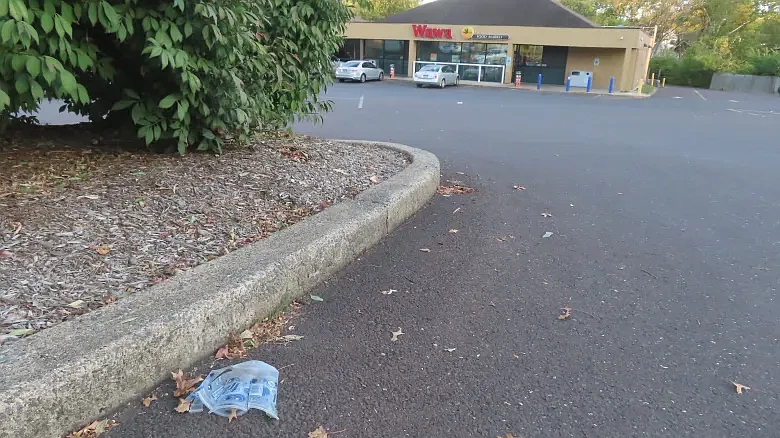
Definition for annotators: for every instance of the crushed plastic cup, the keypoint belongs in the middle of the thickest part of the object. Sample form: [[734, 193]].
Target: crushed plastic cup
[[244, 386]]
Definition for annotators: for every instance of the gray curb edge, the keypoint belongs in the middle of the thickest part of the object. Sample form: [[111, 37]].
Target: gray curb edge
[[84, 369]]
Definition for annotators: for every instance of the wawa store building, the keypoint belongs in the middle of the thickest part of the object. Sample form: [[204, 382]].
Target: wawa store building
[[549, 40]]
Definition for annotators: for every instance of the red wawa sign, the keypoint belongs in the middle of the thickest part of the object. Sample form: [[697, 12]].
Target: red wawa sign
[[423, 31]]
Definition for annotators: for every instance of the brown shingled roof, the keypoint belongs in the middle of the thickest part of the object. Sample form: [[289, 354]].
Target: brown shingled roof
[[535, 13]]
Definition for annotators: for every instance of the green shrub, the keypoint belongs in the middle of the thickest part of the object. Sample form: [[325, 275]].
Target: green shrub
[[192, 74], [766, 65], [688, 71]]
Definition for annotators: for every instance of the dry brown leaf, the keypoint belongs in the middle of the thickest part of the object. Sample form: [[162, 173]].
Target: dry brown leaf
[[739, 387], [222, 353], [518, 187], [232, 415], [77, 304], [184, 406], [453, 231], [425, 250], [103, 249], [247, 334], [184, 386], [565, 314], [94, 429], [455, 189], [374, 179], [288, 338], [148, 400], [319, 432]]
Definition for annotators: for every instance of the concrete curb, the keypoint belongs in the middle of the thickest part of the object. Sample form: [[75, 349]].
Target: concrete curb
[[84, 369]]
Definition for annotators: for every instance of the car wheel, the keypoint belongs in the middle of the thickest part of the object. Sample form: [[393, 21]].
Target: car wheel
[[381, 76], [419, 85], [341, 80], [443, 84], [457, 80], [362, 78]]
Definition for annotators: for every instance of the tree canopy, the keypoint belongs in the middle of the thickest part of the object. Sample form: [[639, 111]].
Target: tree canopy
[[373, 10]]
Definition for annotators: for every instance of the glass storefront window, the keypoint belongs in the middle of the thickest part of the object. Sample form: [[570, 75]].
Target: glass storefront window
[[492, 74], [373, 49], [490, 56], [531, 55]]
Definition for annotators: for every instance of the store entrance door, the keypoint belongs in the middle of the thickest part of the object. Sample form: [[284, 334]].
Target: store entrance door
[[550, 61]]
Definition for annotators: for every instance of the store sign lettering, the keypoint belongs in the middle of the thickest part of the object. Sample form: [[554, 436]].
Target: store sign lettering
[[423, 31]]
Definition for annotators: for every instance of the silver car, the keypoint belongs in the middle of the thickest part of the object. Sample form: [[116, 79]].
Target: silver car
[[359, 71], [436, 75]]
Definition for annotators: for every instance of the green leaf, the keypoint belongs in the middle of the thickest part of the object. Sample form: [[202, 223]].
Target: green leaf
[[68, 82], [3, 13], [17, 10], [33, 66], [83, 95], [182, 108], [67, 12], [22, 84], [132, 94], [47, 22], [187, 29], [84, 61], [110, 12], [138, 113], [21, 332], [168, 101], [92, 12], [122, 104], [49, 74], [18, 62], [176, 35], [59, 26], [6, 33], [5, 100], [316, 298], [36, 90]]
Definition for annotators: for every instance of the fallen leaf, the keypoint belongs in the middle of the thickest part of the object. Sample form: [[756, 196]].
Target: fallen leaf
[[247, 334], [388, 292], [5, 254], [566, 313], [546, 214], [148, 400], [374, 179], [222, 353], [316, 298], [397, 334], [449, 350], [101, 428], [232, 415], [454, 231], [455, 189], [288, 338], [92, 197], [546, 235], [739, 387], [425, 250], [21, 332], [184, 406], [319, 432], [103, 249], [77, 304], [518, 187], [184, 386]]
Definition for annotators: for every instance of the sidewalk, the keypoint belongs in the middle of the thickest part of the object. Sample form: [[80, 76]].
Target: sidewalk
[[547, 88]]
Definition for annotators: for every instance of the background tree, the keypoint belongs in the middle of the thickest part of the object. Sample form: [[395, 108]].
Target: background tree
[[373, 10]]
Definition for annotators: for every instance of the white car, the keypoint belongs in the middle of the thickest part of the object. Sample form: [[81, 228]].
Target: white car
[[436, 75], [359, 71]]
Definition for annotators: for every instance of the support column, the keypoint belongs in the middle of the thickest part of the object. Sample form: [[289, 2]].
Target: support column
[[411, 57]]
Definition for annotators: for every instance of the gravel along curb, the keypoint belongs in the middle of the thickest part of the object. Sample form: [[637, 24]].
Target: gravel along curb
[[64, 377]]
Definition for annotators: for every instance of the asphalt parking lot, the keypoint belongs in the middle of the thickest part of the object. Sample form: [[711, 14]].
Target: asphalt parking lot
[[665, 222]]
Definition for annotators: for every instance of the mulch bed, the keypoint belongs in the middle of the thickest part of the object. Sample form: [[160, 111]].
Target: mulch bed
[[83, 224]]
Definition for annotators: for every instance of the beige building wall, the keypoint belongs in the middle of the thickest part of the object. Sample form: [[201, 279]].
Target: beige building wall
[[610, 62], [615, 47]]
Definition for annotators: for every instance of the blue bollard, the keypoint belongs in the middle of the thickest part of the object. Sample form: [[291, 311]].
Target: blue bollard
[[568, 84], [539, 82], [611, 84], [590, 84]]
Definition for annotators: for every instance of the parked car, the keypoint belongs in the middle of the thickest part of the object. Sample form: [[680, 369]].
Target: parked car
[[437, 75], [337, 63], [359, 71]]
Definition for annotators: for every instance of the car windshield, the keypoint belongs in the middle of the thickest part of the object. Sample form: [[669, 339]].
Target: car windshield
[[431, 68], [353, 64]]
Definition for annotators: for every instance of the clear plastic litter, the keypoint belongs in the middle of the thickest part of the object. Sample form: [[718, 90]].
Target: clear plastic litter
[[244, 386]]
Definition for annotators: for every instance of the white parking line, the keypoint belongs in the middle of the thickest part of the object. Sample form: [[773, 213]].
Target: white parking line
[[700, 95], [360, 103]]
